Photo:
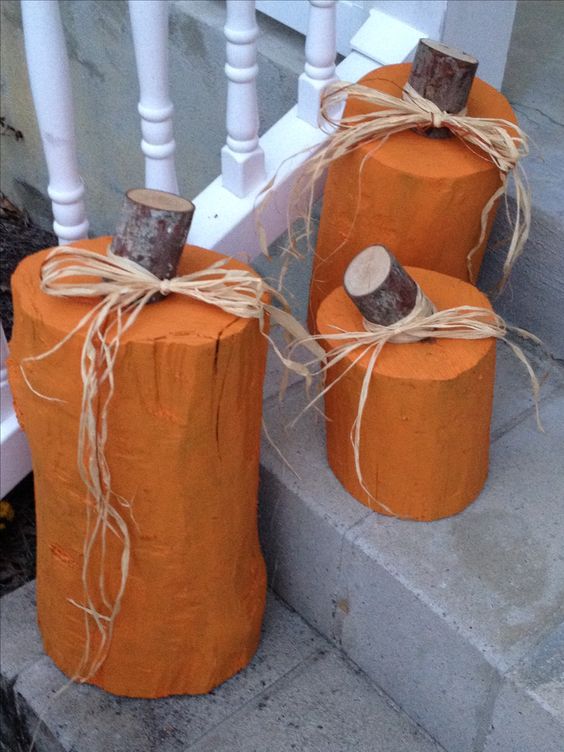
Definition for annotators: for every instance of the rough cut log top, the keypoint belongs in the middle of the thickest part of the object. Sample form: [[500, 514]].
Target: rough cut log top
[[379, 286], [443, 74]]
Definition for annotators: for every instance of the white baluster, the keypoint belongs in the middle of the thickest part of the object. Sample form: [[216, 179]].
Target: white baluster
[[49, 76], [149, 24], [242, 159], [320, 52]]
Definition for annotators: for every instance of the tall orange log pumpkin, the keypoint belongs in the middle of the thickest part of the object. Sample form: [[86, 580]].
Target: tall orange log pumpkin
[[183, 448]]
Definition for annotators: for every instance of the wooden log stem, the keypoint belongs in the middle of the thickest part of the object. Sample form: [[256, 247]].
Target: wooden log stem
[[444, 75], [380, 287], [152, 230]]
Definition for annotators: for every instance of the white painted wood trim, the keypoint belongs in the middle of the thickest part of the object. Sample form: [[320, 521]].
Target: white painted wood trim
[[15, 459], [385, 39], [351, 14], [320, 53], [49, 76], [242, 158], [426, 15], [226, 223], [5, 394], [482, 28], [149, 25]]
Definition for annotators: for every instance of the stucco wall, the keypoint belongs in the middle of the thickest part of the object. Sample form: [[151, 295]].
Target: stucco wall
[[534, 297], [105, 91]]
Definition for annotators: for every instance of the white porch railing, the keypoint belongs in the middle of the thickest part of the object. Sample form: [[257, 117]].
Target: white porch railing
[[149, 26], [242, 157], [49, 77], [15, 461], [225, 216]]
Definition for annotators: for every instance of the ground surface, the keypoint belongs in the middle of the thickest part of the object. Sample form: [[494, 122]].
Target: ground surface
[[299, 693], [18, 237], [17, 539]]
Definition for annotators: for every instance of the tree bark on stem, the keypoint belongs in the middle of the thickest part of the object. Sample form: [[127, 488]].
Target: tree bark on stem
[[444, 75], [379, 286], [152, 230]]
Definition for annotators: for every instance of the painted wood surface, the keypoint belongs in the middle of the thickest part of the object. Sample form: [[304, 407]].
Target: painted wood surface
[[320, 53], [422, 198], [183, 446], [15, 459], [242, 158], [149, 25], [424, 444], [49, 77]]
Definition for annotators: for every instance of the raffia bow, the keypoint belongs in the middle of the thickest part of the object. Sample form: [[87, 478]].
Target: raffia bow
[[494, 139], [124, 288], [462, 322]]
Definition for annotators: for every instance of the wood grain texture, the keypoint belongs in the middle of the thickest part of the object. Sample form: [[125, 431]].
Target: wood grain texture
[[425, 433], [379, 286], [420, 197], [152, 229], [444, 75], [184, 434]]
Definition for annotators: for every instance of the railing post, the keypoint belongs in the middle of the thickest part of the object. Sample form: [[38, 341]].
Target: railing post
[[484, 29], [320, 52], [49, 77], [242, 159], [149, 25]]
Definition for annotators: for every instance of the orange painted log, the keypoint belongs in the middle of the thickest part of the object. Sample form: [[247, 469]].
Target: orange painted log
[[184, 432], [420, 196], [425, 430]]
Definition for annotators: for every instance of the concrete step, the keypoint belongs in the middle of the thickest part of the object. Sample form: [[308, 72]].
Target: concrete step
[[299, 693], [459, 620]]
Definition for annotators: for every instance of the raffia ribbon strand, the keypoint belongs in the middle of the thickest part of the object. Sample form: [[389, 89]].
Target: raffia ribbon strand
[[493, 139], [125, 288], [462, 322]]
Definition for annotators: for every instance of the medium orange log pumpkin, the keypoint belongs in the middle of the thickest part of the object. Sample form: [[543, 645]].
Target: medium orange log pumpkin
[[423, 197]]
